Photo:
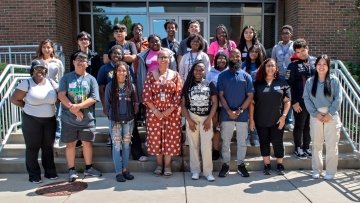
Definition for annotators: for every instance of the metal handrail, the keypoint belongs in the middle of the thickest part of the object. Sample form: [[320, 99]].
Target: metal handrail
[[17, 54], [350, 107]]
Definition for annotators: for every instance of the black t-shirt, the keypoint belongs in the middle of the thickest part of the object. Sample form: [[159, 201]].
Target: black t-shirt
[[269, 102], [200, 97], [129, 48]]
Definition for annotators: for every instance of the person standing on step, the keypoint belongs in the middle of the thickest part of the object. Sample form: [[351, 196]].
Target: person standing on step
[[221, 64], [248, 39], [196, 44], [37, 96], [282, 53], [235, 92], [199, 103], [121, 105], [78, 93], [193, 28], [323, 97], [141, 43], [268, 112], [253, 61], [297, 74], [46, 52], [162, 97], [147, 62], [170, 42]]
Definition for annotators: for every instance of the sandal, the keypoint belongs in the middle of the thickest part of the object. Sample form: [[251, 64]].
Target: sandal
[[158, 170], [167, 172], [143, 159]]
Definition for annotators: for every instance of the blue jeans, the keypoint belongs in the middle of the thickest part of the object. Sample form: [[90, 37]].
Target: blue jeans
[[252, 134], [58, 121], [121, 138]]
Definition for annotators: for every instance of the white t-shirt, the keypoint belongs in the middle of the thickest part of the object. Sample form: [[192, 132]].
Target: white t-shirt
[[40, 99]]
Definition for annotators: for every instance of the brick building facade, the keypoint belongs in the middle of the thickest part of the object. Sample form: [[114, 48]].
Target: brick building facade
[[325, 24]]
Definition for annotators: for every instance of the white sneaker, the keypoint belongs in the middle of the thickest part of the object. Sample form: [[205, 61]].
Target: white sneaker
[[329, 177], [195, 176], [58, 144], [256, 143], [210, 178], [315, 175], [248, 143]]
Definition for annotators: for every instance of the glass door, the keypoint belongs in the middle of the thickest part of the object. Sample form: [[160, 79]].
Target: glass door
[[157, 25]]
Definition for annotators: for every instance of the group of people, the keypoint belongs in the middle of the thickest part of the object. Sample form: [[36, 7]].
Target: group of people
[[214, 89]]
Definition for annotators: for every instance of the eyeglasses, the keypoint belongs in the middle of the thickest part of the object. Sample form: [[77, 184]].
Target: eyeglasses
[[81, 60], [285, 33], [40, 69], [84, 39], [270, 65], [220, 59], [163, 57]]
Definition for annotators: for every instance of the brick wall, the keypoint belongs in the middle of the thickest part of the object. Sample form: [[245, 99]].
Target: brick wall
[[325, 24], [29, 22], [26, 22]]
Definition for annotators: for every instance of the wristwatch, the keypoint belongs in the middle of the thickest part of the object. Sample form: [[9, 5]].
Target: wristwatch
[[241, 110]]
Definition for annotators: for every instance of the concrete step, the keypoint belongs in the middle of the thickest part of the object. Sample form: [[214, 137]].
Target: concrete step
[[101, 150], [105, 164]]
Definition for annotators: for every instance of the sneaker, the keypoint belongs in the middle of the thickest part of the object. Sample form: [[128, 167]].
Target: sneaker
[[289, 127], [267, 169], [308, 153], [242, 170], [35, 180], [120, 178], [215, 154], [248, 143], [315, 175], [256, 143], [280, 169], [52, 177], [128, 176], [57, 143], [224, 170], [143, 159], [210, 178], [329, 177], [195, 176], [92, 172], [300, 153], [73, 175]]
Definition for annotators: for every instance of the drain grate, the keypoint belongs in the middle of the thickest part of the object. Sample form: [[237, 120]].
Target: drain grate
[[61, 188]]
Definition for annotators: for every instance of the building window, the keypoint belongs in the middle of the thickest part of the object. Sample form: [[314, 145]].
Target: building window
[[167, 7]]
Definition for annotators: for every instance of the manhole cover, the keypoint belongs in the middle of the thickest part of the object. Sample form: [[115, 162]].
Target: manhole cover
[[62, 188]]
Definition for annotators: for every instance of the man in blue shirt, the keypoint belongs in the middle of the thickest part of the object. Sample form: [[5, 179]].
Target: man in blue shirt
[[235, 89]]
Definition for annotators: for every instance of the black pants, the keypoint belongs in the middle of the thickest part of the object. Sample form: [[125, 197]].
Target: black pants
[[302, 129], [39, 133], [272, 135], [136, 149]]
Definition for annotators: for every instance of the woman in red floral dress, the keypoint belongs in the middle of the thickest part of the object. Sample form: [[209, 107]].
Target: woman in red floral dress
[[162, 96]]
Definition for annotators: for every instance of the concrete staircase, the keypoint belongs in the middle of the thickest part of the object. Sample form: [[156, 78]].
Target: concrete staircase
[[12, 156]]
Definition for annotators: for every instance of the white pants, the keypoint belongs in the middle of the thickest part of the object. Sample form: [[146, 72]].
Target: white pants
[[330, 132], [227, 130], [200, 139]]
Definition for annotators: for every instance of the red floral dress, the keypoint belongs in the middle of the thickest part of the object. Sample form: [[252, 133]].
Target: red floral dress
[[163, 136]]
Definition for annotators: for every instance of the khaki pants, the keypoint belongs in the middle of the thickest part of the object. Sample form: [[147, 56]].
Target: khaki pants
[[330, 132], [200, 140]]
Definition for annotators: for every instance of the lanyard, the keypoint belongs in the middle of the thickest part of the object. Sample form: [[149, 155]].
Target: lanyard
[[170, 45], [163, 80]]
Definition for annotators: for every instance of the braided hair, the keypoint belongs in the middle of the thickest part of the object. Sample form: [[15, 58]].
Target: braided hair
[[189, 82], [115, 89]]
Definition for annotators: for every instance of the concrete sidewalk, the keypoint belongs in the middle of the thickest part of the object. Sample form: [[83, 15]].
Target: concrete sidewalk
[[295, 186]]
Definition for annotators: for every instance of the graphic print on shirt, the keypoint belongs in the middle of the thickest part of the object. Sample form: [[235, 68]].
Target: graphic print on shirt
[[79, 89], [199, 97]]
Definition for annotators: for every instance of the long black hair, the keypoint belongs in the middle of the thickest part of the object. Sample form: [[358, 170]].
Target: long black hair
[[242, 42], [114, 98], [190, 81], [327, 82], [258, 60]]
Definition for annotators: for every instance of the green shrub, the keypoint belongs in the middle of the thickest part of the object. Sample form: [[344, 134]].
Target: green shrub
[[354, 69]]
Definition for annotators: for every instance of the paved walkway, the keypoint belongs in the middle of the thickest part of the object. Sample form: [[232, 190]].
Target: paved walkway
[[295, 186]]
